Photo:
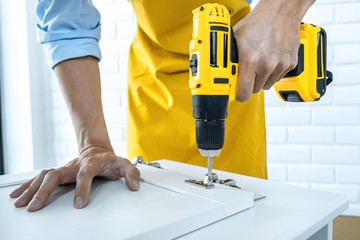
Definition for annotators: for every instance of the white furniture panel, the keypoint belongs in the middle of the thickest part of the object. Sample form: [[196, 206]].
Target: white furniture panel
[[166, 207]]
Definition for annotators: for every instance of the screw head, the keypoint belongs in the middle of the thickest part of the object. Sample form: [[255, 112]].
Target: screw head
[[198, 86], [201, 8], [229, 11], [199, 41]]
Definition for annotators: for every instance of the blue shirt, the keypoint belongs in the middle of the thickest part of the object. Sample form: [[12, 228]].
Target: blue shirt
[[68, 29]]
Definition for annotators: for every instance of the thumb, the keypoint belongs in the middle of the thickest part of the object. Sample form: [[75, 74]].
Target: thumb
[[132, 177]]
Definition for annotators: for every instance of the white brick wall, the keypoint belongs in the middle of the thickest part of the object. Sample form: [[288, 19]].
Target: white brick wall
[[348, 13], [309, 144]]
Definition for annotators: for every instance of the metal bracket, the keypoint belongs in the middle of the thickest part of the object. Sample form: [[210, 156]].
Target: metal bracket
[[214, 179], [199, 183], [140, 160]]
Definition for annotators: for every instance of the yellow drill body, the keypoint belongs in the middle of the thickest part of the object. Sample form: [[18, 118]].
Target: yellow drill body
[[211, 44]]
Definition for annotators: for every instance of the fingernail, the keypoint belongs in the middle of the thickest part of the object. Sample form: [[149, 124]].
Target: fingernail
[[79, 202], [21, 198], [135, 184], [33, 203], [13, 192]]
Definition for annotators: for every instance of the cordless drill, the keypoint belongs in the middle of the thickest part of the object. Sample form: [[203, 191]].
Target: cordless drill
[[213, 75], [214, 72]]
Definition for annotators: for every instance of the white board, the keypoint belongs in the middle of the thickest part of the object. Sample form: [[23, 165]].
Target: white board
[[164, 208]]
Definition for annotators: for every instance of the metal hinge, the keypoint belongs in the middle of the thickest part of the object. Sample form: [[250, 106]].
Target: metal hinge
[[214, 179], [140, 160]]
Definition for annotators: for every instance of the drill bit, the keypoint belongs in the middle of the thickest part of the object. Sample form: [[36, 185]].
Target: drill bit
[[209, 166]]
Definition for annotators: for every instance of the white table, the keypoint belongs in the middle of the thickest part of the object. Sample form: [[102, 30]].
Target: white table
[[114, 212]]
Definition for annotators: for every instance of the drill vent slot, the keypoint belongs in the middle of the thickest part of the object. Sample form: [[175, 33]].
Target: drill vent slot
[[213, 49], [217, 12], [225, 50]]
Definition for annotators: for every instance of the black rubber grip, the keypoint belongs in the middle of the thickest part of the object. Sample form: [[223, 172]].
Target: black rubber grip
[[234, 57], [300, 65], [291, 96]]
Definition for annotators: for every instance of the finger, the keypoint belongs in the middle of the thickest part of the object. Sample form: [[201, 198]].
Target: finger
[[274, 78], [48, 186], [260, 81], [282, 69], [18, 191], [28, 194], [269, 67], [69, 171], [83, 184], [245, 84], [132, 176]]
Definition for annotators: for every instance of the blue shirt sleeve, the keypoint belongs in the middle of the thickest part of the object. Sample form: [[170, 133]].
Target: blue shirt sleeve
[[68, 29]]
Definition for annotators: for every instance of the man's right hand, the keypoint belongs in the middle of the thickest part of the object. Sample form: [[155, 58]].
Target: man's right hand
[[93, 162]]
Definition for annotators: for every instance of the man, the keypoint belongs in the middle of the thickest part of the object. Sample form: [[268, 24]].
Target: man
[[160, 123]]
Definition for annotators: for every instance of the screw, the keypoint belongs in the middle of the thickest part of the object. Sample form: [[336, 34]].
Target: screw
[[201, 8], [229, 11], [199, 41], [198, 86]]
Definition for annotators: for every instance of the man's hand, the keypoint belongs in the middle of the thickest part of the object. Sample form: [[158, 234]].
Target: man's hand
[[93, 162], [79, 79], [268, 41]]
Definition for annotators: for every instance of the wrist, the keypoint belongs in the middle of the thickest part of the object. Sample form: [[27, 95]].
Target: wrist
[[94, 136], [295, 9], [95, 145], [91, 149]]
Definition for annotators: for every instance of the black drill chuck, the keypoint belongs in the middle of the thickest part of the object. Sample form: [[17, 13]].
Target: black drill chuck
[[210, 135], [210, 112]]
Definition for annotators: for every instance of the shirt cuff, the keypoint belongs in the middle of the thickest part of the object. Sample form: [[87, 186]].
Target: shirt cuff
[[62, 50], [66, 44]]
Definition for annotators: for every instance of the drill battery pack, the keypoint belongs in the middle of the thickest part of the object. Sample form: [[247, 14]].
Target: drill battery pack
[[308, 80]]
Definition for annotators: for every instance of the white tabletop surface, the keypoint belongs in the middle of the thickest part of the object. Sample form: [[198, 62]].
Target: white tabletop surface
[[287, 212]]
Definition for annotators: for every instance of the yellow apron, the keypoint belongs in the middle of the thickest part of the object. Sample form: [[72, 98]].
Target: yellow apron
[[160, 123]]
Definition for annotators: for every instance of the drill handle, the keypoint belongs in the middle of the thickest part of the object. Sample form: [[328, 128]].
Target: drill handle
[[234, 59], [234, 56]]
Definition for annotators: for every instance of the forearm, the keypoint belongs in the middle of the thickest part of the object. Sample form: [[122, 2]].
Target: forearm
[[79, 80], [286, 9]]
